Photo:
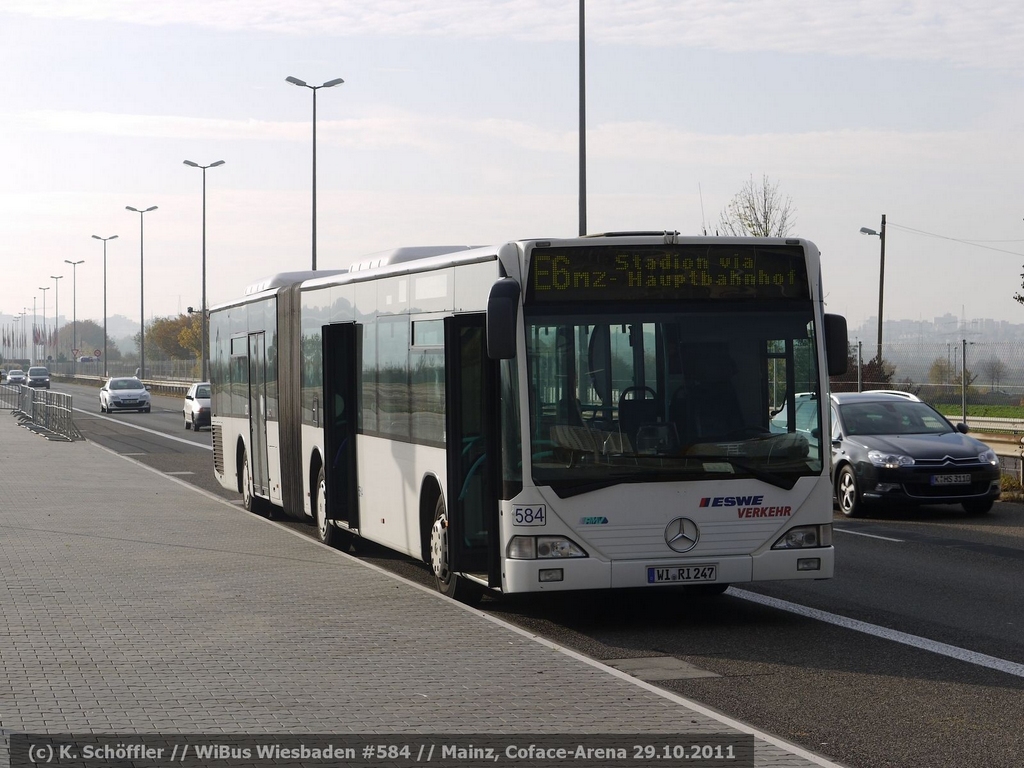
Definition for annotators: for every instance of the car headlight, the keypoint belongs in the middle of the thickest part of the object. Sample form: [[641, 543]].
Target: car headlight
[[889, 460], [543, 548], [805, 536], [988, 457]]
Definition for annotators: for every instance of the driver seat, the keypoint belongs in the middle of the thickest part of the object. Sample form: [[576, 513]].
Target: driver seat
[[713, 403]]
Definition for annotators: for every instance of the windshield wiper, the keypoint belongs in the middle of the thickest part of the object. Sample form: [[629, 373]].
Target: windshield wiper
[[786, 482]]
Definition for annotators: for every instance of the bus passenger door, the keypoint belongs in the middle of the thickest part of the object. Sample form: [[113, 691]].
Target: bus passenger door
[[474, 460], [258, 414], [342, 368]]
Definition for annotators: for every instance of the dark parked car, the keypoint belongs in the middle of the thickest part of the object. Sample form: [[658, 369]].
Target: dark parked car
[[38, 376], [890, 447]]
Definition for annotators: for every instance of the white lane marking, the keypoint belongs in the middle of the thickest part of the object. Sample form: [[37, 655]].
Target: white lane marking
[[144, 429], [914, 641], [869, 535], [183, 472]]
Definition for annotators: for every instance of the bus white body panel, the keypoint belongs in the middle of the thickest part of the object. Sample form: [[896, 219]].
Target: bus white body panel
[[391, 476], [274, 462]]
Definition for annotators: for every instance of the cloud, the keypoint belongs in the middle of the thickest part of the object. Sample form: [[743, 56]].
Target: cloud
[[388, 129], [988, 34]]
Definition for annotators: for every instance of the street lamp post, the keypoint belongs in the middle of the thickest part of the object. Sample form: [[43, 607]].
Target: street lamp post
[[56, 315], [35, 345], [44, 290], [104, 239], [881, 280], [314, 89], [21, 341], [142, 291], [202, 320], [74, 305], [583, 123]]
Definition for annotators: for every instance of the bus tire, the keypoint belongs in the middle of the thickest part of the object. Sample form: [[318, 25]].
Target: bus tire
[[325, 532], [447, 581], [250, 500]]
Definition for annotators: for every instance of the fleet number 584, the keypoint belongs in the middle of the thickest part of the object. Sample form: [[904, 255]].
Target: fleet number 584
[[536, 515]]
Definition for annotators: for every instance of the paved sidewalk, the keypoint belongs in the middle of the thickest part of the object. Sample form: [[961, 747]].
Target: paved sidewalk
[[133, 603]]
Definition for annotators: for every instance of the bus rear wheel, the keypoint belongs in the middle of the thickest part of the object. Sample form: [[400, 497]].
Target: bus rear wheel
[[448, 582], [250, 500], [325, 532]]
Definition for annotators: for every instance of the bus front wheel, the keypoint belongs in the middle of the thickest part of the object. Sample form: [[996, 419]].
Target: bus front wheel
[[448, 582]]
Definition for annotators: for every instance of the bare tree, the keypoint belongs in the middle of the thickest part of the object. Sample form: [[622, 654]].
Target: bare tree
[[993, 369], [758, 210]]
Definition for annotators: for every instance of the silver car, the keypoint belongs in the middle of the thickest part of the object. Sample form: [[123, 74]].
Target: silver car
[[196, 410], [124, 393], [17, 376]]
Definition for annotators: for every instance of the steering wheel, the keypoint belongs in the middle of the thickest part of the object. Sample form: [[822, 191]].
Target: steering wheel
[[750, 430], [645, 390]]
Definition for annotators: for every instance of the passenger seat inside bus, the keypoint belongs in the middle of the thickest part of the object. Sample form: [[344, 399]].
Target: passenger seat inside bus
[[636, 410]]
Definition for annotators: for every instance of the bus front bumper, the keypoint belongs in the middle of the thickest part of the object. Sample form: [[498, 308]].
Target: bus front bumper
[[590, 573]]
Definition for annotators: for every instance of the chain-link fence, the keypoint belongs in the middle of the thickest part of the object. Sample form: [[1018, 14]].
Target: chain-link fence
[[986, 378]]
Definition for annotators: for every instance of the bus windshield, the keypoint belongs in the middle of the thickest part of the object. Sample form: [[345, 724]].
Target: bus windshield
[[632, 394]]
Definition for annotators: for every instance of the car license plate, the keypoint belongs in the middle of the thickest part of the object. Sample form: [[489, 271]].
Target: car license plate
[[951, 479], [680, 573]]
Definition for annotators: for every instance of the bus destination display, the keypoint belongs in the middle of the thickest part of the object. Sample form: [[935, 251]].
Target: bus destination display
[[667, 273]]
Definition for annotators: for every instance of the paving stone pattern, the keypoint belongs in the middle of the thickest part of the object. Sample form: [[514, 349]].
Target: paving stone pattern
[[130, 602]]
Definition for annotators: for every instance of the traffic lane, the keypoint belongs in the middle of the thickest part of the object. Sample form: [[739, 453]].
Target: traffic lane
[[943, 589], [184, 455], [1004, 522], [863, 700]]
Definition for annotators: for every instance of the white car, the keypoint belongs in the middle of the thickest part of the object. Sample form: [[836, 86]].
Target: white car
[[196, 410], [124, 393]]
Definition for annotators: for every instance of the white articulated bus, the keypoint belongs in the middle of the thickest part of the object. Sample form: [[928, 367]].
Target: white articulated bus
[[591, 413]]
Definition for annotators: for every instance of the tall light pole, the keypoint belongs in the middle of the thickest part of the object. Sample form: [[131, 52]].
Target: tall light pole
[[21, 341], [583, 125], [56, 315], [74, 306], [104, 239], [142, 291], [32, 357], [314, 89], [202, 320], [44, 290], [881, 280]]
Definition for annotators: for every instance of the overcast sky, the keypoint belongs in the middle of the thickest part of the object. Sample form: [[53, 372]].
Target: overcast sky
[[457, 123]]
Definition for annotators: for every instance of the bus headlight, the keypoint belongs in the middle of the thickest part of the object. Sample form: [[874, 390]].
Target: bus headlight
[[804, 536], [543, 548]]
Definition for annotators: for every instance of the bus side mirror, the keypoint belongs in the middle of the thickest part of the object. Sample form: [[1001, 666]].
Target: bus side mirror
[[837, 344], [502, 313]]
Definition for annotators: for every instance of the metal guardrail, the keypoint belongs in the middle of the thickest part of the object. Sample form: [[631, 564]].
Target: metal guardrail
[[991, 424], [50, 411]]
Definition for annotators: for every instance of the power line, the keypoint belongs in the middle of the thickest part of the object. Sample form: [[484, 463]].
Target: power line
[[975, 243]]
